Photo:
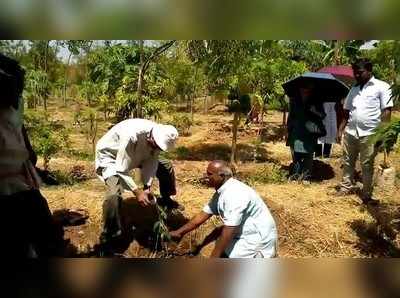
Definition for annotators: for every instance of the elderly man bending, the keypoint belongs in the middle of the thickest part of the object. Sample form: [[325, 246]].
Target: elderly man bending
[[130, 144], [249, 230]]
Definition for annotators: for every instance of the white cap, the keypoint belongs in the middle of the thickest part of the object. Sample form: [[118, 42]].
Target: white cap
[[165, 136]]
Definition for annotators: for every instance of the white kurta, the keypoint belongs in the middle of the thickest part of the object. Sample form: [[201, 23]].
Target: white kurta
[[16, 171], [365, 107], [124, 148], [239, 205], [330, 123]]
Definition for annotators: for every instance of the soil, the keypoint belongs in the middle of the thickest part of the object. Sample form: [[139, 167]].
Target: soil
[[310, 222]]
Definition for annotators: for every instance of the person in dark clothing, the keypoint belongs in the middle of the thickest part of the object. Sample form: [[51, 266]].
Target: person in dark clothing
[[304, 126], [26, 225]]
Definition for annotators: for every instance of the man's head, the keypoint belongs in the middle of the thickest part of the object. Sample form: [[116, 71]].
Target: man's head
[[163, 137], [217, 173], [362, 70], [11, 81], [306, 89]]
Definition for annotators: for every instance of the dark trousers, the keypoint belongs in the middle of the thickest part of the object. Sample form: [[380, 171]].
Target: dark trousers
[[302, 165], [27, 226], [323, 150], [112, 221]]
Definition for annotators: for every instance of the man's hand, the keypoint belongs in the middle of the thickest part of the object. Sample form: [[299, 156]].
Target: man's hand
[[142, 197], [175, 235]]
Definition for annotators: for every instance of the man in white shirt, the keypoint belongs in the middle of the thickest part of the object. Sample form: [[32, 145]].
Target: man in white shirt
[[249, 230], [368, 103], [130, 144], [27, 227]]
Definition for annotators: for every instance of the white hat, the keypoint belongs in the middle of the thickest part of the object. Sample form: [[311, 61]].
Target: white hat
[[165, 136]]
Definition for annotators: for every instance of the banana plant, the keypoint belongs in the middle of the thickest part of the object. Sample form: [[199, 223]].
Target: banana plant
[[385, 138]]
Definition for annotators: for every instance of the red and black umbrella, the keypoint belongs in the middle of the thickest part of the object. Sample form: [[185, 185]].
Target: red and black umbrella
[[341, 72]]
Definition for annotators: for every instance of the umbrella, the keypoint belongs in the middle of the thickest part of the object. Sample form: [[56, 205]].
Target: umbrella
[[328, 87], [341, 72]]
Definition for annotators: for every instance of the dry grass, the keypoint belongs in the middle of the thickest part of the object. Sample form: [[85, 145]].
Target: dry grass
[[310, 223]]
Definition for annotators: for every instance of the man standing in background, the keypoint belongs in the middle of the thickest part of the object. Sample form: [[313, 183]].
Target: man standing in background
[[368, 103]]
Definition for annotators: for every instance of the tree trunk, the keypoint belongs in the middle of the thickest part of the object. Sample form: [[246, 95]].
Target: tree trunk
[[385, 159], [187, 99], [191, 107], [45, 56], [45, 70], [337, 58], [139, 107], [262, 113], [284, 117], [235, 125], [45, 102], [94, 139], [87, 51], [66, 80]]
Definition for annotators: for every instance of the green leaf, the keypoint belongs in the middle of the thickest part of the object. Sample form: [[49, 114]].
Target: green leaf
[[156, 227]]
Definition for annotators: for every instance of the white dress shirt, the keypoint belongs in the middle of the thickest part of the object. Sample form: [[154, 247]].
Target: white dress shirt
[[366, 105], [239, 205], [124, 148], [16, 170]]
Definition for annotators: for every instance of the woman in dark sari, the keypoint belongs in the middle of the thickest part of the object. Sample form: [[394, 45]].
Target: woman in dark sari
[[304, 128]]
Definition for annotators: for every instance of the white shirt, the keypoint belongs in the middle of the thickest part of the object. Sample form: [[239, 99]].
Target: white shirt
[[14, 157], [330, 124], [239, 205], [366, 105], [124, 148]]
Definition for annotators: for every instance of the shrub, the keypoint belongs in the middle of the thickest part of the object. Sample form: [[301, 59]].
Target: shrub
[[182, 123], [47, 138], [180, 152], [270, 173]]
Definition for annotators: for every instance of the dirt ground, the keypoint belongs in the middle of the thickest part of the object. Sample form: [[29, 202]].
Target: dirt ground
[[310, 222]]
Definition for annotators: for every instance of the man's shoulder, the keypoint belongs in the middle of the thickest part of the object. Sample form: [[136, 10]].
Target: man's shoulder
[[133, 126], [135, 122], [381, 84], [235, 187]]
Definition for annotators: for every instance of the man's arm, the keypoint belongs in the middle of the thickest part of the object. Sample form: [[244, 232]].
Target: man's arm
[[224, 240], [32, 153], [122, 162], [386, 114], [148, 171], [195, 222]]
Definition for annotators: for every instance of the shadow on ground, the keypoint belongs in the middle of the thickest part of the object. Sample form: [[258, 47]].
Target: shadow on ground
[[141, 220], [380, 237], [67, 218], [321, 171], [273, 134]]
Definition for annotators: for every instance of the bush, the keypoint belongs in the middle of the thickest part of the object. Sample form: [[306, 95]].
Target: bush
[[47, 138], [182, 123], [270, 173], [76, 175], [180, 152], [81, 155], [277, 104]]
